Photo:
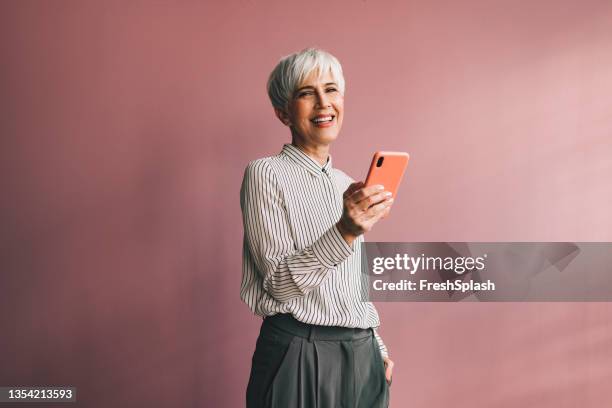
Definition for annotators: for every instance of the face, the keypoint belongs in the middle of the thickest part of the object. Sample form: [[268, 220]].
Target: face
[[315, 112]]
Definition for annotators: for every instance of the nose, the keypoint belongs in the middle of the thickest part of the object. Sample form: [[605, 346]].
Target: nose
[[322, 99]]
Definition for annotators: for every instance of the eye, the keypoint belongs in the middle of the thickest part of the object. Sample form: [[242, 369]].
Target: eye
[[305, 93], [331, 89]]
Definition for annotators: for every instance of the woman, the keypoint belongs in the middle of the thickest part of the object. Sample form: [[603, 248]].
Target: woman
[[303, 224]]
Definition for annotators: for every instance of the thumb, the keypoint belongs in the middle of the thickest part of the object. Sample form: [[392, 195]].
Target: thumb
[[352, 188], [389, 370]]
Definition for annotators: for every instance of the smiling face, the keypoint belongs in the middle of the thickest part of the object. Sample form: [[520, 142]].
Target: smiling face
[[315, 112]]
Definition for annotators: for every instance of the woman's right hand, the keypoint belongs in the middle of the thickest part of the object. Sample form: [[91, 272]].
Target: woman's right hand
[[363, 207]]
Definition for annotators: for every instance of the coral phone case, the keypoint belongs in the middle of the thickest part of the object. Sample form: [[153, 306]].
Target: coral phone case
[[388, 168]]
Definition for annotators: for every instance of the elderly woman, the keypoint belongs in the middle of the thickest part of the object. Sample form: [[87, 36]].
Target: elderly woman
[[303, 225]]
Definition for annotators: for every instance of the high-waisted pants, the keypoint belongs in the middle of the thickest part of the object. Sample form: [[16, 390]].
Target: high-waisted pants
[[299, 365]]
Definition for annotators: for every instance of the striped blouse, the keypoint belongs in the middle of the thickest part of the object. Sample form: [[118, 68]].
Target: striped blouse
[[294, 258]]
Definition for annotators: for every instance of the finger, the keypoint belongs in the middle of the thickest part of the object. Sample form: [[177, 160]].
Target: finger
[[386, 212], [365, 192], [376, 211], [352, 188], [382, 214], [373, 200]]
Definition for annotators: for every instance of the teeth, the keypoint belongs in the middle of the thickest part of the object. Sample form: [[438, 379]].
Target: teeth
[[322, 119]]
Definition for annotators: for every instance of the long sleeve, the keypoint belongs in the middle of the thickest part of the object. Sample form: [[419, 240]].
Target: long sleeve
[[381, 345], [286, 272]]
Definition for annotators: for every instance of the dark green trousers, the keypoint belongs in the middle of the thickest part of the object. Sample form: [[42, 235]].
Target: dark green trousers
[[301, 365]]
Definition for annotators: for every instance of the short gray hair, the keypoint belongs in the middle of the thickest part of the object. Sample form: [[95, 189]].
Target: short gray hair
[[293, 69]]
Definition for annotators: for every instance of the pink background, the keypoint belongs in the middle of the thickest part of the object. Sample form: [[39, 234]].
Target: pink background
[[126, 126]]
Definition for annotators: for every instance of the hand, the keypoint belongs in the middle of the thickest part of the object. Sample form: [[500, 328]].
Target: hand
[[388, 369], [363, 207]]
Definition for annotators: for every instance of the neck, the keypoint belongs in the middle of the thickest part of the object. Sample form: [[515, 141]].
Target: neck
[[319, 153]]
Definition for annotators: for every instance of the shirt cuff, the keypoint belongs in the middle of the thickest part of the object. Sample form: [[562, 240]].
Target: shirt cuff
[[331, 249], [381, 345]]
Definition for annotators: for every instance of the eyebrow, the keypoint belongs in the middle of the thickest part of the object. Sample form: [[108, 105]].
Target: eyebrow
[[312, 87]]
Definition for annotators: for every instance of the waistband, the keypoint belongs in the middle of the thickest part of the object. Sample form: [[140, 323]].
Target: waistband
[[288, 323]]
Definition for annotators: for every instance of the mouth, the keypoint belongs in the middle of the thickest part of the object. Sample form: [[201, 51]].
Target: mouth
[[323, 120]]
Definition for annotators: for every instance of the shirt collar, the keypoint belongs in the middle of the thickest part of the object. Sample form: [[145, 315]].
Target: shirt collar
[[303, 160]]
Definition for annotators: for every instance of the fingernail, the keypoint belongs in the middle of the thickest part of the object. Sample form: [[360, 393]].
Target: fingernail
[[390, 201], [380, 187], [388, 194]]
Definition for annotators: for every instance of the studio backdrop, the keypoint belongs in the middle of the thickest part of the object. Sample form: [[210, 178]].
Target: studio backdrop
[[126, 127]]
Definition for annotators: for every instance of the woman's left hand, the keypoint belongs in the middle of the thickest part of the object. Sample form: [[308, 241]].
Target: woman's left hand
[[388, 369]]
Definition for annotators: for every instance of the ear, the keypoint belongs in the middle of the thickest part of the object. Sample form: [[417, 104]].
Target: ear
[[283, 116]]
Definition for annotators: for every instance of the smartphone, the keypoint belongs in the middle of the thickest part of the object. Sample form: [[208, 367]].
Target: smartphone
[[387, 168]]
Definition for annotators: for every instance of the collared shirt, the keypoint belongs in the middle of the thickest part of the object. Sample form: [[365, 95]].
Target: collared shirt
[[294, 258]]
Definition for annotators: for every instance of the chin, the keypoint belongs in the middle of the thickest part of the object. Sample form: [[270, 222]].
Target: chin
[[327, 139]]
